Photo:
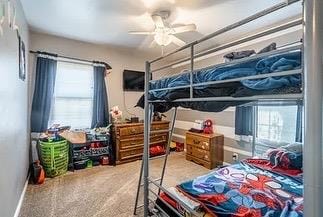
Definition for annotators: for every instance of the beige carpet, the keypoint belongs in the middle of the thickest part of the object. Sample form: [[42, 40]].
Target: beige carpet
[[100, 191]]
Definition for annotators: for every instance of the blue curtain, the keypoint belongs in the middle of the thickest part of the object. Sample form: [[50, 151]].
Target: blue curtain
[[100, 116], [299, 123], [44, 89], [244, 120]]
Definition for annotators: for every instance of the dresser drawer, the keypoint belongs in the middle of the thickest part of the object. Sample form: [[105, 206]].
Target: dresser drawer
[[128, 131], [126, 154], [162, 138], [200, 142], [164, 126], [198, 153], [139, 141], [204, 163], [131, 143]]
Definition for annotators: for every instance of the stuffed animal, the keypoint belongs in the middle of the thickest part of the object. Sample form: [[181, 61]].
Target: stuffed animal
[[208, 127], [289, 156], [116, 114]]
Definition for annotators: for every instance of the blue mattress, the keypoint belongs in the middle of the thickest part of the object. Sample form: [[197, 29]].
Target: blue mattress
[[269, 64]]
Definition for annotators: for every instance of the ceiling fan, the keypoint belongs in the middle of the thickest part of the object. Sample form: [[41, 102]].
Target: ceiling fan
[[164, 33]]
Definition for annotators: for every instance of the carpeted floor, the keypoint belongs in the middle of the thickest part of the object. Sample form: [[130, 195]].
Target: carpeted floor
[[101, 191]]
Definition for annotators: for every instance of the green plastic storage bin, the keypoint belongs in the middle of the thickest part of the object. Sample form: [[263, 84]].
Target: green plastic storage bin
[[54, 157]]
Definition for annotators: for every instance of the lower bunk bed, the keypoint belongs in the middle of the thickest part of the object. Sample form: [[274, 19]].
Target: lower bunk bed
[[250, 188]]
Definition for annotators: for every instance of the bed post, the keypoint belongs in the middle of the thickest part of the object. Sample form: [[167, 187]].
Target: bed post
[[191, 71], [146, 140], [313, 69]]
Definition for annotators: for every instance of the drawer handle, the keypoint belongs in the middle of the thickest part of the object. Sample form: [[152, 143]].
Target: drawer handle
[[133, 143], [133, 130], [205, 145], [206, 157], [196, 142]]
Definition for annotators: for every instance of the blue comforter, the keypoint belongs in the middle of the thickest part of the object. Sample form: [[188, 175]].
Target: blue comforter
[[245, 190], [276, 63]]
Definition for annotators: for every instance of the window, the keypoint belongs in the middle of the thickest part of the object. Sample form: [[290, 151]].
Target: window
[[73, 96], [276, 126]]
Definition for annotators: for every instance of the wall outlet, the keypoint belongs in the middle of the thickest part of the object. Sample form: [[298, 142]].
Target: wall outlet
[[235, 157]]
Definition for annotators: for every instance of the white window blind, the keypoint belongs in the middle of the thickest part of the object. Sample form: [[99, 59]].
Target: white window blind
[[73, 95], [276, 126]]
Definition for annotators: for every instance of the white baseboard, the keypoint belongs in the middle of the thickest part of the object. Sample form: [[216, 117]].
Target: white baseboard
[[22, 196], [238, 151]]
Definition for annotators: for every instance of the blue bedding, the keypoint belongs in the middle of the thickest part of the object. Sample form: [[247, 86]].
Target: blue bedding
[[276, 63]]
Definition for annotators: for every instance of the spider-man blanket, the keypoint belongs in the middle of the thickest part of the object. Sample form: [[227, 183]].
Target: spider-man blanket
[[245, 190]]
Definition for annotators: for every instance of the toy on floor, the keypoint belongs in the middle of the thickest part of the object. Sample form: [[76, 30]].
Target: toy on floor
[[157, 150], [37, 173], [179, 146]]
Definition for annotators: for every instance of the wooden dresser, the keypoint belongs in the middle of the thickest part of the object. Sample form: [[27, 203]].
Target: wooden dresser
[[128, 139], [205, 149]]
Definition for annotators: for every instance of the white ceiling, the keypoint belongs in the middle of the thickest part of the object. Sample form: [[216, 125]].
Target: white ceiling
[[108, 21]]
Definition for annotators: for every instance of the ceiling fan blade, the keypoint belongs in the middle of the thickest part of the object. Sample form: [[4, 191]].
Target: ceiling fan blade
[[185, 28], [177, 41], [140, 33], [158, 20]]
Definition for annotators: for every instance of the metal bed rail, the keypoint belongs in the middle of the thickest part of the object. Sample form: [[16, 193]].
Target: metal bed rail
[[251, 77], [287, 97], [187, 208], [256, 56]]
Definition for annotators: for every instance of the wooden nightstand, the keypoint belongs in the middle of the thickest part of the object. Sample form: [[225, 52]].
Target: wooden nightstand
[[205, 149]]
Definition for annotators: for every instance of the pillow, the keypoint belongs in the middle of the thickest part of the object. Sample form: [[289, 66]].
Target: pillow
[[238, 55], [268, 48], [294, 147], [286, 157]]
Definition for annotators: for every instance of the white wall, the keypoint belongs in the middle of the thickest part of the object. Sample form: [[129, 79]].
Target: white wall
[[14, 118], [118, 58]]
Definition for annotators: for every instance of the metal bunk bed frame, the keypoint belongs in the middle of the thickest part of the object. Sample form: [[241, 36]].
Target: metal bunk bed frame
[[312, 95]]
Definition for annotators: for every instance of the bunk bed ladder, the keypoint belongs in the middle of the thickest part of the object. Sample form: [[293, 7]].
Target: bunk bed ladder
[[165, 156]]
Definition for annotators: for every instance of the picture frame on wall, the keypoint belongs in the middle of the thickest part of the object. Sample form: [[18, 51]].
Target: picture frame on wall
[[22, 58]]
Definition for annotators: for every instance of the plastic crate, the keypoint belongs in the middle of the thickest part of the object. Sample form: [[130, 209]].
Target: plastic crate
[[54, 157], [92, 152]]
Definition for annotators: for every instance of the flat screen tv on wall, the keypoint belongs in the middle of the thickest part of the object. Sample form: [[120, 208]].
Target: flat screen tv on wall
[[133, 80]]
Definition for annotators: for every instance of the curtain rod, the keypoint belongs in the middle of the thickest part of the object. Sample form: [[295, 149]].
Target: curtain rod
[[77, 59]]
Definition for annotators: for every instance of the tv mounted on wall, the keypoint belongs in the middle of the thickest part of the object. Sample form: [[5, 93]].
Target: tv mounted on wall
[[133, 80]]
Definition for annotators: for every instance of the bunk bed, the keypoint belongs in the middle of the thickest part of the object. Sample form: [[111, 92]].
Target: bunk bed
[[283, 82]]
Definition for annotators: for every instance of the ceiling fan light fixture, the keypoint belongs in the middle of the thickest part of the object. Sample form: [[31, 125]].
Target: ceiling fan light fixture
[[162, 39]]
